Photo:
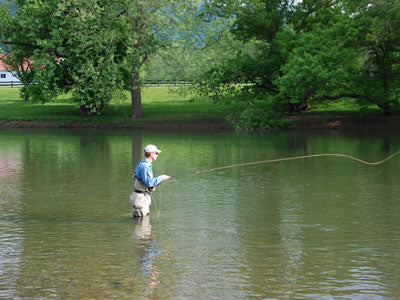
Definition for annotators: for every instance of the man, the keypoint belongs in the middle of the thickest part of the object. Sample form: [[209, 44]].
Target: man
[[144, 182]]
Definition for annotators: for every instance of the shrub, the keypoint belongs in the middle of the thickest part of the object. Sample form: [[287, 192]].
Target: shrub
[[262, 114]]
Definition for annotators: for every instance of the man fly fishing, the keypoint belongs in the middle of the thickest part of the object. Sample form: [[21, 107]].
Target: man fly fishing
[[144, 183]]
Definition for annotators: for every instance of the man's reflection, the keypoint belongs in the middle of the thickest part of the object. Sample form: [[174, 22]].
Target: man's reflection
[[148, 251]]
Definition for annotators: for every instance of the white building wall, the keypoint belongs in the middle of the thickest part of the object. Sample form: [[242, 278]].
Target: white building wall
[[7, 77]]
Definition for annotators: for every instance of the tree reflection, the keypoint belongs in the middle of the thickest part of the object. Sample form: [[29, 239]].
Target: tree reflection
[[137, 149]]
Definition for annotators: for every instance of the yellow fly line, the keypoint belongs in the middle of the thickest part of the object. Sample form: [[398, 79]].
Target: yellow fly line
[[301, 157], [158, 209], [284, 159]]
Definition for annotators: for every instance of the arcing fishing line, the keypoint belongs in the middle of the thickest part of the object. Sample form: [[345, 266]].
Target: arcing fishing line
[[270, 161], [300, 157], [292, 158]]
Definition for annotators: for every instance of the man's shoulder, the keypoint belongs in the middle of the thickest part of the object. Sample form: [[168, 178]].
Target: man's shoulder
[[145, 162]]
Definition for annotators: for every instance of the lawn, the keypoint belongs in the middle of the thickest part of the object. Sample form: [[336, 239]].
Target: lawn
[[348, 107], [163, 104], [160, 104]]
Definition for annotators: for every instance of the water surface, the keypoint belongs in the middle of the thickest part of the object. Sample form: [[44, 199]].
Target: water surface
[[318, 228]]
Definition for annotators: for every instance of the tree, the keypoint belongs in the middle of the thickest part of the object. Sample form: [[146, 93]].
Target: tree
[[72, 44], [346, 51], [87, 46], [138, 23], [322, 61], [86, 42], [148, 27], [304, 51], [378, 23], [258, 25]]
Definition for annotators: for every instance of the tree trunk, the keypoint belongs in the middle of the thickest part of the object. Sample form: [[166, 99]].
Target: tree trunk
[[26, 93], [136, 94], [387, 109], [386, 89], [25, 88]]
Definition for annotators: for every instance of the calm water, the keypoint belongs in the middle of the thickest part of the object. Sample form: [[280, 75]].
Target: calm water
[[319, 228]]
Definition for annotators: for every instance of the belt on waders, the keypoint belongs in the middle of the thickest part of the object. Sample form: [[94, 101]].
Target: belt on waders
[[146, 190], [142, 192]]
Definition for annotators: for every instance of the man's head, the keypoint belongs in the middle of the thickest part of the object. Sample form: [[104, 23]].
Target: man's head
[[151, 152]]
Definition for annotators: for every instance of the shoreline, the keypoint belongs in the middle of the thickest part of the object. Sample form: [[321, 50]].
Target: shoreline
[[310, 121], [302, 121], [210, 125]]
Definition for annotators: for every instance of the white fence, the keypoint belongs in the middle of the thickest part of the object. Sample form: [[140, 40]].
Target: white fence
[[10, 83], [145, 83]]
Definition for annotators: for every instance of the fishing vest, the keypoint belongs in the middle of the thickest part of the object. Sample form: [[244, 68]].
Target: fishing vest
[[140, 187]]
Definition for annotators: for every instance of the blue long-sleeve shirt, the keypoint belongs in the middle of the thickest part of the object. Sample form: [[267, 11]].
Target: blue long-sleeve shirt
[[144, 171]]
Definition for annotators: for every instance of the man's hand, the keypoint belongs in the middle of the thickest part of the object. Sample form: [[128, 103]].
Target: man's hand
[[165, 177]]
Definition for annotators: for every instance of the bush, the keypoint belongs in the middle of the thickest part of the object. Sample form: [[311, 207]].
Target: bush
[[264, 114]]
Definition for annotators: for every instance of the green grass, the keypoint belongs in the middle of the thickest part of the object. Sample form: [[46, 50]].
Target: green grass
[[160, 104], [347, 107], [163, 104]]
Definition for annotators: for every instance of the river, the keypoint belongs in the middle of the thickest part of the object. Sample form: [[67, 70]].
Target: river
[[314, 228]]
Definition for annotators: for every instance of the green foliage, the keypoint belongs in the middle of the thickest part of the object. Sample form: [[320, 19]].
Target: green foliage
[[89, 52], [379, 34], [316, 66], [263, 114], [101, 45], [255, 61], [200, 44], [87, 43], [306, 51], [72, 44], [295, 52]]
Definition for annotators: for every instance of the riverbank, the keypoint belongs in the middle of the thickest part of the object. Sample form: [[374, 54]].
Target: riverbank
[[315, 121], [165, 108], [206, 124], [302, 121]]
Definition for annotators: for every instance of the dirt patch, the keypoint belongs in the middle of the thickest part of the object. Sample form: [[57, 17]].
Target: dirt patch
[[303, 121], [206, 125], [342, 122]]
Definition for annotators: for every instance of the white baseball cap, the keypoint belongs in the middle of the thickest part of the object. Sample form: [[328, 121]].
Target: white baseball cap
[[151, 148]]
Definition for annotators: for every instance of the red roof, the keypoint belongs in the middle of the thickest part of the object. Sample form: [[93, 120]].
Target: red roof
[[3, 65]]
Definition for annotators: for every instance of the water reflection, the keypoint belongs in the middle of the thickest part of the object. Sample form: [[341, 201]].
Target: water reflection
[[147, 251], [291, 233], [11, 233]]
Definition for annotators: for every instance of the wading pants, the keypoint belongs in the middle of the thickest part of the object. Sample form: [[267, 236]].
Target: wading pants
[[141, 204]]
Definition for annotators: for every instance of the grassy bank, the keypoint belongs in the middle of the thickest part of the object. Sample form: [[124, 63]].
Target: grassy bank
[[160, 104], [165, 108]]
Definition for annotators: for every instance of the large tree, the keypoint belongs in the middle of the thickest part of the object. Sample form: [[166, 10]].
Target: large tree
[[159, 27], [378, 24], [88, 46], [304, 51], [347, 50], [142, 31], [258, 24], [72, 44]]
